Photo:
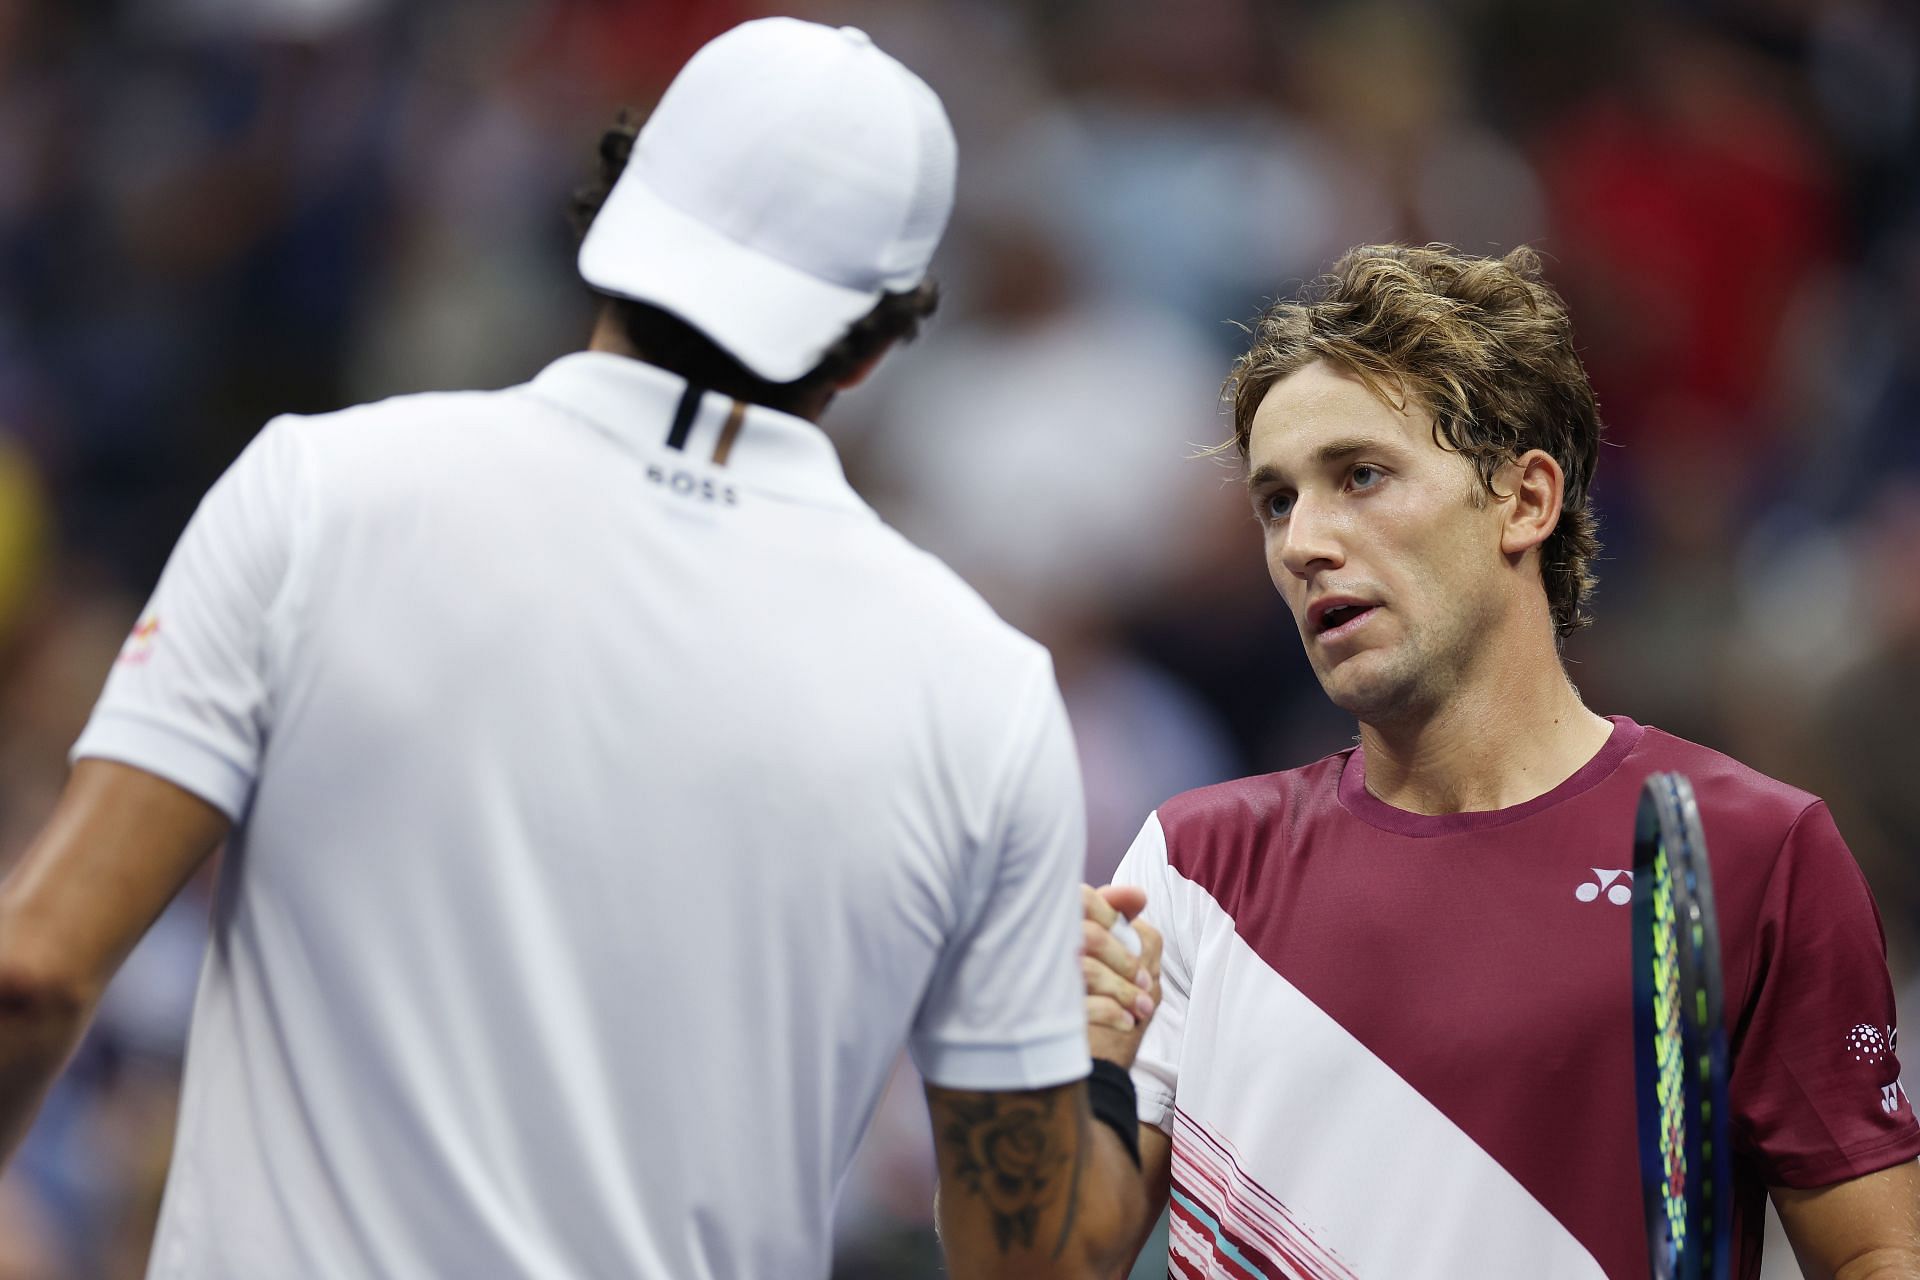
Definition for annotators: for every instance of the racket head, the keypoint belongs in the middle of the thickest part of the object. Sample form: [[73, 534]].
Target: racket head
[[1680, 1044]]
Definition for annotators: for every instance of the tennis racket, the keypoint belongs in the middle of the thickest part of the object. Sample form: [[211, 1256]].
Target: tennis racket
[[1680, 1042]]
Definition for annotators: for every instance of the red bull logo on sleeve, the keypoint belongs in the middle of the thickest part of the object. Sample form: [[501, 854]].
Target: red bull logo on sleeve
[[140, 642]]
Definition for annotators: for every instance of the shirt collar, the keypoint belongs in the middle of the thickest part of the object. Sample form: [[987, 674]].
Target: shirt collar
[[1369, 808], [646, 407]]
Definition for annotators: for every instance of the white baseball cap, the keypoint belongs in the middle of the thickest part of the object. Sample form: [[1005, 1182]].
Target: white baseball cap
[[791, 175]]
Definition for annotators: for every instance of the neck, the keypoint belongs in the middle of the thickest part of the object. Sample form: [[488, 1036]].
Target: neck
[[1513, 736], [610, 338]]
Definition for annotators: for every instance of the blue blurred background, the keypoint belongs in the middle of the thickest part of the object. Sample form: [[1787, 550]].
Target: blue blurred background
[[212, 211]]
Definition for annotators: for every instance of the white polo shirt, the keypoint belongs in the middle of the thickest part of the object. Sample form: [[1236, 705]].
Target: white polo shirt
[[615, 794]]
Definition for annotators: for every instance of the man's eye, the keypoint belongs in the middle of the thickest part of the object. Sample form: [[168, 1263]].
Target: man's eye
[[1278, 505], [1364, 476]]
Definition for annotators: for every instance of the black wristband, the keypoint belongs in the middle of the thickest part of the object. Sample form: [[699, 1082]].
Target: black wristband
[[1110, 1094]]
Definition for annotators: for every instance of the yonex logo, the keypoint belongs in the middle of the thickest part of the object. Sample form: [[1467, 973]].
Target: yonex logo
[[1618, 892]]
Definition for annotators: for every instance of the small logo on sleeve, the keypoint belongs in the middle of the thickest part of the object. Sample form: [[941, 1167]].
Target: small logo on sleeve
[[139, 645], [1869, 1044], [1618, 892]]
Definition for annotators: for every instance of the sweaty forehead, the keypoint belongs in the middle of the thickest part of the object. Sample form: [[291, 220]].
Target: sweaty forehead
[[1304, 412]]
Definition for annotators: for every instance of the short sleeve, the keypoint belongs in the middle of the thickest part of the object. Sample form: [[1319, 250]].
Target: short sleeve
[[188, 697], [1007, 1006], [1816, 1088], [1157, 1066]]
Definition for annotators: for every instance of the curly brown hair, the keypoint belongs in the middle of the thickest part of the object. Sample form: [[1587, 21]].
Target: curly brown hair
[[1483, 344], [671, 342]]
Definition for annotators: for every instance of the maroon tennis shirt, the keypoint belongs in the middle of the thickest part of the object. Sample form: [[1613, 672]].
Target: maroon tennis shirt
[[1394, 1044]]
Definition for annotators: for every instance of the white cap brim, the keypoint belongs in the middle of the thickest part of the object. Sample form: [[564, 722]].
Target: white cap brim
[[772, 317]]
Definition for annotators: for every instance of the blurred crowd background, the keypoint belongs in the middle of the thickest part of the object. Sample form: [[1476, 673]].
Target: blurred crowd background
[[213, 211]]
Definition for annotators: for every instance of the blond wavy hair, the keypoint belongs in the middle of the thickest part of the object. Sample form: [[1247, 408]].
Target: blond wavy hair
[[1483, 344]]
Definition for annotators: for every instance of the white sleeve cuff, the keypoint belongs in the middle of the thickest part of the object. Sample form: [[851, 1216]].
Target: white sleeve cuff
[[1154, 1104], [1035, 1064], [167, 752]]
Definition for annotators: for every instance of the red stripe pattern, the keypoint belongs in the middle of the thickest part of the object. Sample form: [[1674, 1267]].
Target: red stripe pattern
[[1226, 1226]]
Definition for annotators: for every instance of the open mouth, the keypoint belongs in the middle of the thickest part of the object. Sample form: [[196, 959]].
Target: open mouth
[[1340, 613], [1341, 618]]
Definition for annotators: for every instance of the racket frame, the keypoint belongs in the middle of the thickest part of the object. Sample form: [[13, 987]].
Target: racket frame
[[1670, 862]]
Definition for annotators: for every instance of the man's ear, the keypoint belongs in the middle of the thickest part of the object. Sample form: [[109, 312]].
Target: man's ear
[[1534, 486]]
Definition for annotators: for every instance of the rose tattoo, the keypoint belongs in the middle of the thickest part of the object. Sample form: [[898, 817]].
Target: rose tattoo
[[1008, 1160]]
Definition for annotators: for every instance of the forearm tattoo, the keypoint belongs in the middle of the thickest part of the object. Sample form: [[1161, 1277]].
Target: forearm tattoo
[[1004, 1151]]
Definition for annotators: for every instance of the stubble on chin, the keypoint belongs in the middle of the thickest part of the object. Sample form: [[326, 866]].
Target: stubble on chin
[[1384, 693], [1410, 681]]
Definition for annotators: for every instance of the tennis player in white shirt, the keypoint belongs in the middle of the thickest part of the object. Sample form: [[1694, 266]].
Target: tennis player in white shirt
[[608, 794]]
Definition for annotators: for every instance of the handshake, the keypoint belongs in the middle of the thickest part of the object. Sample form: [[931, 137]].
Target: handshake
[[1120, 961]]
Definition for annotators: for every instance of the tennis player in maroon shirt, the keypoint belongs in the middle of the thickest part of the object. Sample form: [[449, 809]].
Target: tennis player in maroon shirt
[[1393, 1036]]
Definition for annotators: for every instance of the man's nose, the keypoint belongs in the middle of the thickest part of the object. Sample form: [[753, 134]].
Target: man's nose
[[1311, 541]]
